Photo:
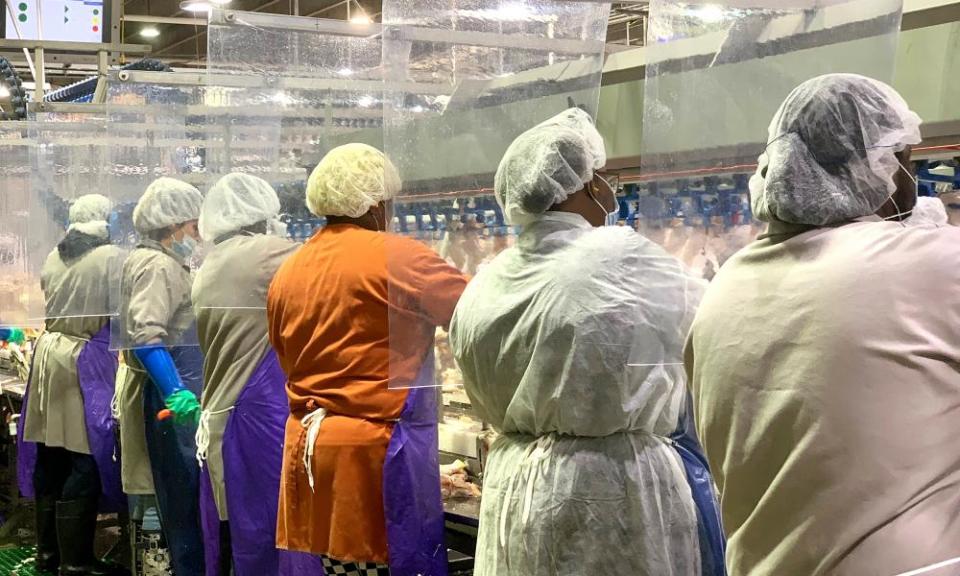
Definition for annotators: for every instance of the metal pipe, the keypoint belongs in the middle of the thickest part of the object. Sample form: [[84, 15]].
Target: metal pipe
[[198, 34], [164, 20]]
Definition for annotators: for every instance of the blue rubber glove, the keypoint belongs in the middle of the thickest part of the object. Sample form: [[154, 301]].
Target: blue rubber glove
[[159, 365], [14, 335], [181, 403]]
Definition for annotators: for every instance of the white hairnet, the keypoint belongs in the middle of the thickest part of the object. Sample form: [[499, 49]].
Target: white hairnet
[[830, 154], [929, 211], [88, 215], [350, 180], [548, 163], [235, 201], [167, 202], [90, 208]]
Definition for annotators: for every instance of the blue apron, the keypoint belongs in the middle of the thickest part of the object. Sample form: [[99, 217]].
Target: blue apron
[[176, 476], [713, 544]]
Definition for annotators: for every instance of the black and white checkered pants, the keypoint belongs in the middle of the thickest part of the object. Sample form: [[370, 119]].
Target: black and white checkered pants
[[333, 567]]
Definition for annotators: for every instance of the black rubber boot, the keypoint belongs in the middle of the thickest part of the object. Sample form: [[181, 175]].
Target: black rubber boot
[[48, 554], [76, 527]]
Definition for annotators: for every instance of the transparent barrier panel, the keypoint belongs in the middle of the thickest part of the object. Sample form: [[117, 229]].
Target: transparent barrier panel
[[323, 82], [328, 89], [21, 298], [463, 80], [715, 76], [194, 129], [69, 163]]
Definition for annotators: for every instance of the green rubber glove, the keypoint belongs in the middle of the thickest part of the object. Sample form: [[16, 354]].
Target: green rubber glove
[[185, 407]]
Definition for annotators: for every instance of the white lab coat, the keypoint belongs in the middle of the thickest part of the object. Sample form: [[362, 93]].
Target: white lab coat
[[570, 345]]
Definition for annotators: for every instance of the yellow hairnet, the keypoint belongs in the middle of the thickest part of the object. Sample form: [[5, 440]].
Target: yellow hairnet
[[350, 180]]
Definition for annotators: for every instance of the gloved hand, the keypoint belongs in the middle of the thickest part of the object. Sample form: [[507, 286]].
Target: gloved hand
[[185, 407], [13, 335]]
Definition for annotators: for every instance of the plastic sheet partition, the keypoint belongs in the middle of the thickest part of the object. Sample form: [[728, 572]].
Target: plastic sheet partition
[[191, 128], [21, 299], [327, 84], [464, 78], [69, 159], [715, 76]]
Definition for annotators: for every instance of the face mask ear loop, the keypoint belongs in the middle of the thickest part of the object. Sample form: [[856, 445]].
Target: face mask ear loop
[[901, 216]]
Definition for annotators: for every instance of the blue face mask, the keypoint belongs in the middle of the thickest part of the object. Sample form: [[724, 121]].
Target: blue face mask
[[184, 248], [611, 217]]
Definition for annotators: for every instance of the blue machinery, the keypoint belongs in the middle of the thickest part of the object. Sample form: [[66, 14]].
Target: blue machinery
[[722, 201], [699, 203]]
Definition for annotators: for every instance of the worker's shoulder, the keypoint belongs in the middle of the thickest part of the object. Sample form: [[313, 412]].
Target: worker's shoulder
[[142, 258], [399, 248]]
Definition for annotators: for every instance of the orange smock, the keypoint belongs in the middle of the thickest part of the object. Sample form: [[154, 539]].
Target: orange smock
[[331, 307]]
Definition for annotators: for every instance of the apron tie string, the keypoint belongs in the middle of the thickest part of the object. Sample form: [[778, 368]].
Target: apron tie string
[[46, 354], [311, 423], [203, 433]]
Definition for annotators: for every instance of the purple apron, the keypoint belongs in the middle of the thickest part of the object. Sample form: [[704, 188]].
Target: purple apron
[[411, 485], [97, 372], [252, 459]]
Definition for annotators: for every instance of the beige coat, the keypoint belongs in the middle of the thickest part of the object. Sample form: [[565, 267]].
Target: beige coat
[[230, 300], [825, 367], [154, 306], [77, 296]]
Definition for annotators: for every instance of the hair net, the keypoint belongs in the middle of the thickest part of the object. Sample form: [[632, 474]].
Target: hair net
[[88, 215], [548, 163], [235, 201], [350, 180], [830, 154], [90, 208], [167, 202], [929, 211]]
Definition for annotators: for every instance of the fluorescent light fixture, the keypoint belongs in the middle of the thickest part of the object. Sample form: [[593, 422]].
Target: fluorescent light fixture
[[202, 5], [149, 32], [361, 19], [4, 91], [345, 72]]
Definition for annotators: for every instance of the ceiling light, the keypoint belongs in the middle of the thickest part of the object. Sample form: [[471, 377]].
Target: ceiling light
[[202, 5], [361, 19], [4, 91], [365, 101], [345, 72], [150, 32]]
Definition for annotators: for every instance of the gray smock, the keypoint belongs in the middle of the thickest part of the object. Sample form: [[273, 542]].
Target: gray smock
[[55, 413], [154, 307], [230, 299], [825, 368], [583, 479]]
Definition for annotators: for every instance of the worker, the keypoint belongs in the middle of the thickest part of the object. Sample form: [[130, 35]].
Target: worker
[[360, 467], [69, 464], [569, 344], [929, 211], [240, 438], [824, 356], [164, 369]]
